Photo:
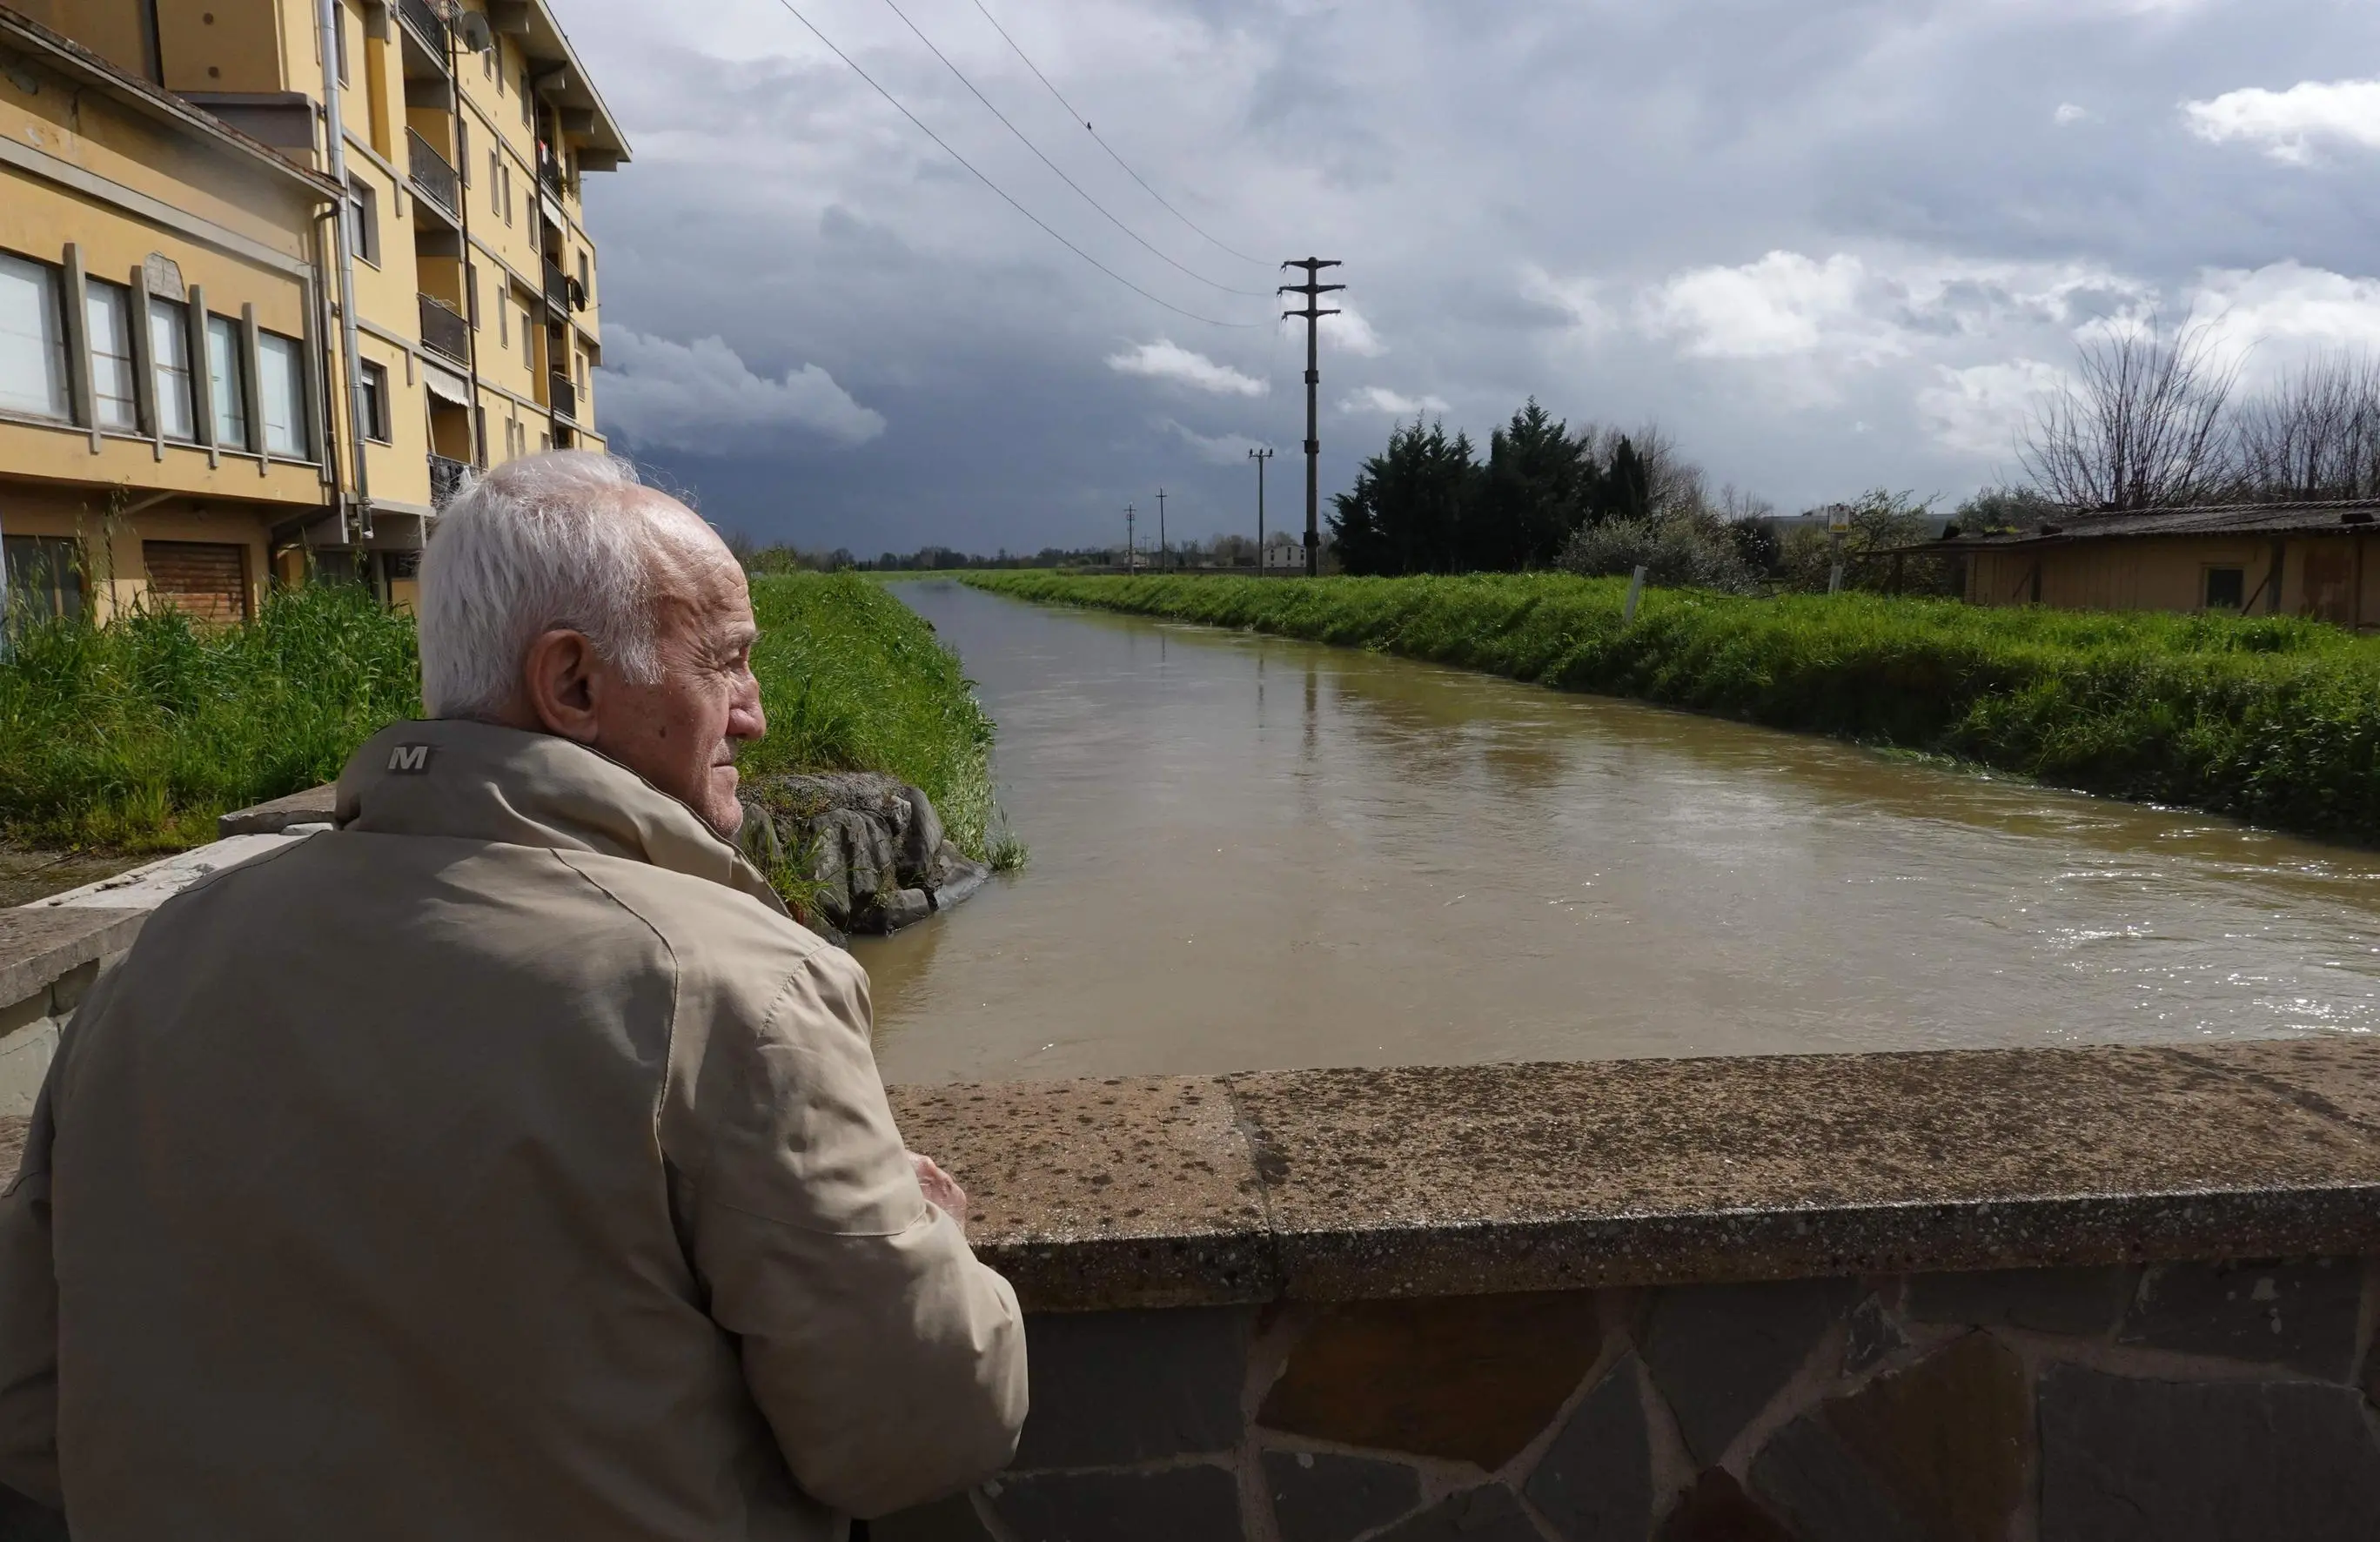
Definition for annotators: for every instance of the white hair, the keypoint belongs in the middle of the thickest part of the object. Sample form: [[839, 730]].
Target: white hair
[[565, 539]]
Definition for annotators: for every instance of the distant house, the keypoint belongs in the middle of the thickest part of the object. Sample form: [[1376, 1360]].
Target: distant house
[[2261, 559]]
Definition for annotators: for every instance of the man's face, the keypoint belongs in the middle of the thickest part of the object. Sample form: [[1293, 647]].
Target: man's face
[[681, 733]]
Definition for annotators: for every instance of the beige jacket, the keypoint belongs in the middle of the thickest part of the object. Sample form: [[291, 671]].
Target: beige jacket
[[504, 1164]]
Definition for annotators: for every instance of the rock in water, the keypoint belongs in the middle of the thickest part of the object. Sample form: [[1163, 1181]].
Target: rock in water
[[869, 848]]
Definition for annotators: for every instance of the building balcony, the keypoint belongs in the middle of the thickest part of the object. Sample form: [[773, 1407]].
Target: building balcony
[[423, 20], [447, 476], [549, 172], [557, 291], [431, 174], [563, 397], [443, 331]]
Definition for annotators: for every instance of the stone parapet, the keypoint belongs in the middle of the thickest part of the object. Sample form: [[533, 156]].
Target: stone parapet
[[1336, 1185], [2089, 1296]]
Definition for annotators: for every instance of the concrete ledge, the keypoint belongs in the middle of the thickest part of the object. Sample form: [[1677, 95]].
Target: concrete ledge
[[40, 947], [1348, 1186], [314, 806], [143, 889]]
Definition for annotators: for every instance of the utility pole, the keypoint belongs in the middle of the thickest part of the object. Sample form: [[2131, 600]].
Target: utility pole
[[1131, 558], [1312, 315], [1163, 561], [1260, 457]]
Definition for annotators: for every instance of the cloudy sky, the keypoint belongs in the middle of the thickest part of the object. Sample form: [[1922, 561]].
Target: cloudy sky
[[1826, 245]]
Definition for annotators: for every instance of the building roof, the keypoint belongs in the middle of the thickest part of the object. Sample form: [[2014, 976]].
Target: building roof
[[549, 48], [2211, 519], [74, 61]]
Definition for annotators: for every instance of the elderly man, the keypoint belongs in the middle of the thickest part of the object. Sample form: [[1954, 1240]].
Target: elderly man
[[506, 1163]]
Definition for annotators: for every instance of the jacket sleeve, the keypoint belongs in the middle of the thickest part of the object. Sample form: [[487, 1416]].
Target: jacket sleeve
[[28, 1322], [888, 1362]]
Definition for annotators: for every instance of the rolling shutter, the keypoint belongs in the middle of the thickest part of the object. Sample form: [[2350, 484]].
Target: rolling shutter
[[206, 580]]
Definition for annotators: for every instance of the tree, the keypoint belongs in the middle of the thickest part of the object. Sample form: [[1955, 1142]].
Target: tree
[[1411, 505], [2142, 427], [2312, 435], [1534, 492], [1625, 488]]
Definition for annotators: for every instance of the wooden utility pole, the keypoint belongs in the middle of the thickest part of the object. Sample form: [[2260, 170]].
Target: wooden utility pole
[[1163, 560], [1312, 315], [1130, 560], [1260, 457]]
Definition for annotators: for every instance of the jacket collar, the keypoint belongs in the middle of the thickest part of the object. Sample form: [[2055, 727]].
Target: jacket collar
[[478, 781]]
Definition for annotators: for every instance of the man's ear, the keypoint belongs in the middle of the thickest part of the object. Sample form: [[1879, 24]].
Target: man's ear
[[558, 684]]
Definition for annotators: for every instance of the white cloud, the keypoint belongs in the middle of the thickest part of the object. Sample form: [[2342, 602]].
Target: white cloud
[[1785, 303], [1380, 398], [1348, 332], [1219, 449], [1846, 310], [702, 396], [1983, 408], [2288, 124], [2068, 111], [1578, 298], [1164, 360], [2268, 317]]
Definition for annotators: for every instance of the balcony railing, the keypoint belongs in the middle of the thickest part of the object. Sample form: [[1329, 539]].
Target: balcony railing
[[549, 171], [444, 330], [563, 397], [427, 25], [445, 479], [433, 178], [557, 291]]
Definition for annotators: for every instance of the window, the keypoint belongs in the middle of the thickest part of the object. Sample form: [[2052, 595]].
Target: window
[[169, 346], [505, 323], [281, 389], [32, 339], [375, 402], [339, 34], [526, 100], [227, 382], [471, 293], [2226, 587], [107, 317], [505, 175], [480, 433], [363, 221], [495, 194], [585, 280], [44, 576], [463, 151]]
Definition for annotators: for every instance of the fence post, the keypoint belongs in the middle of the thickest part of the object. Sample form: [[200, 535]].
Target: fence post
[[1635, 592]]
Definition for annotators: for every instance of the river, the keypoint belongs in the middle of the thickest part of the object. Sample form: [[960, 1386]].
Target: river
[[1250, 853]]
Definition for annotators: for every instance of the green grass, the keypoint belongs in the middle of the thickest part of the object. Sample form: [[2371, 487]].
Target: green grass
[[136, 735], [852, 679], [2269, 718]]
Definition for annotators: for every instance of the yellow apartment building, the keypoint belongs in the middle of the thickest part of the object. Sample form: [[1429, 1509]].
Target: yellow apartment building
[[424, 159]]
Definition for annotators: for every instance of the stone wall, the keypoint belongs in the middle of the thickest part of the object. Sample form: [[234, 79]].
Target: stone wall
[[2026, 1296], [2168, 1402]]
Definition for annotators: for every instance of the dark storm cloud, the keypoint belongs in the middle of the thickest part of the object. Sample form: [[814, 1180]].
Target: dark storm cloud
[[1827, 245]]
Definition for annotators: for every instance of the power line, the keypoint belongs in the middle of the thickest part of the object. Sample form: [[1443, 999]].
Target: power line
[[1004, 123], [1104, 145], [995, 187]]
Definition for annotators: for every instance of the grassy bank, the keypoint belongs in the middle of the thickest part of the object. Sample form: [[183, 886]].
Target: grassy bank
[[852, 679], [134, 735], [2269, 718]]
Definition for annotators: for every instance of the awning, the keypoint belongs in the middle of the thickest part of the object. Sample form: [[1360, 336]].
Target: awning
[[445, 384]]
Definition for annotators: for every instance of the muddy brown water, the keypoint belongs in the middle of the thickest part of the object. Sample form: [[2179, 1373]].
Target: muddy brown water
[[1250, 853]]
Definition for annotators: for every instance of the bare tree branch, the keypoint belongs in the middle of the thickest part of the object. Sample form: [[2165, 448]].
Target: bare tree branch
[[2142, 426]]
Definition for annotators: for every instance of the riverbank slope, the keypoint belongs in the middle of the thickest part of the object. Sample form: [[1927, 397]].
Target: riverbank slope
[[2269, 718], [134, 735]]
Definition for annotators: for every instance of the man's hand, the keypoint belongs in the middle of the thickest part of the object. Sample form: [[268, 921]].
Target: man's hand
[[940, 1188]]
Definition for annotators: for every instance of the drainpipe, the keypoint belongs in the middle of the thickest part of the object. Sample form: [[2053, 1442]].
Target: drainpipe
[[335, 131]]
